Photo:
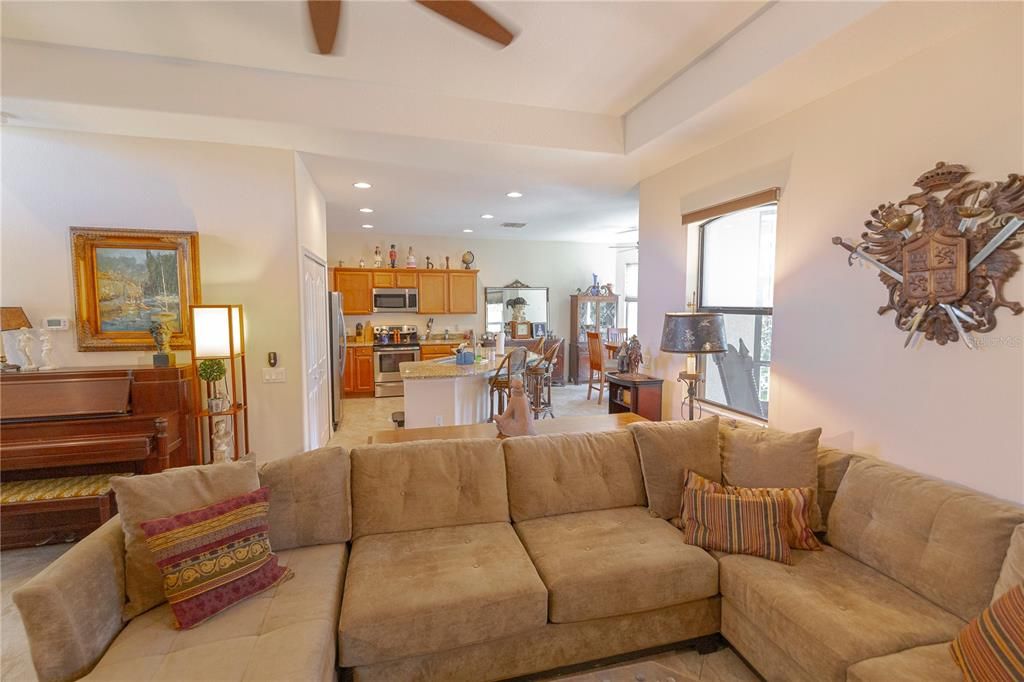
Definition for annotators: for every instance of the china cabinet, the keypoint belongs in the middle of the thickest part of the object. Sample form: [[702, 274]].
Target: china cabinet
[[588, 314]]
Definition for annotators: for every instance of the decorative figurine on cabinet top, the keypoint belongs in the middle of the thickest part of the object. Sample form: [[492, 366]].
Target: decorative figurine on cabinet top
[[634, 355], [945, 259], [362, 263], [430, 266], [392, 255], [378, 257], [410, 262], [467, 259]]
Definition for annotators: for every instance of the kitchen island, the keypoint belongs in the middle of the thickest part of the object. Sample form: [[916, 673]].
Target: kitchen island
[[442, 393]]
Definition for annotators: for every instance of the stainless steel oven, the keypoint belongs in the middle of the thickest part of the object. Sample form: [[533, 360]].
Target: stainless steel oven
[[396, 301], [387, 378]]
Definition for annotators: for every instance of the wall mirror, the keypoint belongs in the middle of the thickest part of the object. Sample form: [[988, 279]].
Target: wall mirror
[[503, 304]]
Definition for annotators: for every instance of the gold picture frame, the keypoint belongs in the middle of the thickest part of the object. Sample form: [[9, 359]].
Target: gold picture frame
[[522, 330], [124, 276]]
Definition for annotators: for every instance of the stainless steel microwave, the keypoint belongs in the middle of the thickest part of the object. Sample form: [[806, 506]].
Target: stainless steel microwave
[[396, 300]]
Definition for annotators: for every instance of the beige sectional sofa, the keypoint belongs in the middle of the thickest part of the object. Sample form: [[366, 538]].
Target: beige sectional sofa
[[482, 560]]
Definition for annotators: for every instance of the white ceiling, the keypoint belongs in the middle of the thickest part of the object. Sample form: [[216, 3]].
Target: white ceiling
[[589, 99]]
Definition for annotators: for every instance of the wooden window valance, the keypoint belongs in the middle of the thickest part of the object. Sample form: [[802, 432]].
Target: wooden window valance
[[766, 196]]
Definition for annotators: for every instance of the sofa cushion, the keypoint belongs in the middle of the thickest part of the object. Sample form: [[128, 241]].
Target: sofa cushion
[[424, 591], [215, 556], [798, 531], [766, 458], [828, 611], [932, 663], [944, 542], [140, 498], [615, 561], [286, 633], [737, 524], [667, 451], [428, 484], [562, 474], [312, 499], [1012, 572]]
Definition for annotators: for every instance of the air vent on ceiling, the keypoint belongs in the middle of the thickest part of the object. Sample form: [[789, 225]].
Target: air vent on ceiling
[[514, 225]]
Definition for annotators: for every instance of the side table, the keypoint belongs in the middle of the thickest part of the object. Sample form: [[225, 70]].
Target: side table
[[636, 393]]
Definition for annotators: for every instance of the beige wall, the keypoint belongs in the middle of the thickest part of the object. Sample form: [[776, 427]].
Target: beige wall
[[947, 411], [560, 266], [240, 199]]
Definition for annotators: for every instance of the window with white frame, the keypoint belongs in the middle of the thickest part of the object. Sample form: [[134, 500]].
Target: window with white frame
[[632, 301], [736, 273]]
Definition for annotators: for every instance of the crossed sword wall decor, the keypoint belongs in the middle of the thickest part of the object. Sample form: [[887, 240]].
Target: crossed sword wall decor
[[954, 313]]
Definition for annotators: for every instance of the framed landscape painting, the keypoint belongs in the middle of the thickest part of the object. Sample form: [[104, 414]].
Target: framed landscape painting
[[125, 276]]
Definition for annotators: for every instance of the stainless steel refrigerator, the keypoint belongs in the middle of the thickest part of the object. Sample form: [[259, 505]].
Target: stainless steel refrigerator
[[339, 346]]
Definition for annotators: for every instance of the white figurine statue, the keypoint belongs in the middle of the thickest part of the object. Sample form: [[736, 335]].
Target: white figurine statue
[[25, 346], [410, 262], [516, 420], [47, 350], [221, 441], [378, 258]]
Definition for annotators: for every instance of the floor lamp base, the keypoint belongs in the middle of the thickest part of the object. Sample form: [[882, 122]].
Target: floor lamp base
[[691, 381]]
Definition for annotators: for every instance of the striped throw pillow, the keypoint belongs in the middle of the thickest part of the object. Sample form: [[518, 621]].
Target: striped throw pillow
[[798, 526], [737, 524], [214, 556], [991, 647]]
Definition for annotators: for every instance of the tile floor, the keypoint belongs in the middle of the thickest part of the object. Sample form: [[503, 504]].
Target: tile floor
[[363, 416]]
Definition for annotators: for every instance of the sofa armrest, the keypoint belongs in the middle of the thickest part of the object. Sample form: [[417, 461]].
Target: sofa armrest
[[72, 608]]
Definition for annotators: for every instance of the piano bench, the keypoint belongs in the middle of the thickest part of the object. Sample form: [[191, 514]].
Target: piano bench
[[48, 510]]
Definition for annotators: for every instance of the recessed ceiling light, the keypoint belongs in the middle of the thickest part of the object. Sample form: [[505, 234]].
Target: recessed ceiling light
[[486, 216], [467, 230], [366, 210], [362, 185], [367, 227], [514, 195]]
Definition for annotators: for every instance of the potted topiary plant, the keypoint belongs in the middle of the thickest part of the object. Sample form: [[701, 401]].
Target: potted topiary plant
[[213, 372]]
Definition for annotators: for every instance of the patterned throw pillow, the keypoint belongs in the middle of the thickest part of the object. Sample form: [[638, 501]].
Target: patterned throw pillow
[[214, 556], [991, 647], [798, 526], [736, 524]]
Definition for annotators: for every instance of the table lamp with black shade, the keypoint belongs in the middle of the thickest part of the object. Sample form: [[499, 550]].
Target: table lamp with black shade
[[694, 334]]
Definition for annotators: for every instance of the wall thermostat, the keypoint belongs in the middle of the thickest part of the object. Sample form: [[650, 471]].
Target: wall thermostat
[[56, 324]]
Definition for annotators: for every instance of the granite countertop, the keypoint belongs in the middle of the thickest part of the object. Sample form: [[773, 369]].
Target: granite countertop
[[445, 368], [359, 344], [452, 341]]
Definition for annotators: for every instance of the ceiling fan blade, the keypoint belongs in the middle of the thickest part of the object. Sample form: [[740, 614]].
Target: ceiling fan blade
[[325, 16], [470, 15]]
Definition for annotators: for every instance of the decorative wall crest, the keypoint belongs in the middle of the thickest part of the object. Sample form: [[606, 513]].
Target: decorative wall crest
[[945, 258]]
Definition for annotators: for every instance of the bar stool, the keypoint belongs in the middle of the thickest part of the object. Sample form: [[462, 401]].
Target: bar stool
[[538, 378], [511, 367]]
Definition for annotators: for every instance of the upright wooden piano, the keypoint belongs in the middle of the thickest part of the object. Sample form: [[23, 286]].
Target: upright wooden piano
[[86, 422]]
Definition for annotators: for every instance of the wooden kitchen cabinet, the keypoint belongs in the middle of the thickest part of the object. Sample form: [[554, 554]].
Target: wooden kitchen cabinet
[[406, 279], [433, 292], [440, 291], [434, 351], [364, 370], [358, 378], [356, 287], [462, 292]]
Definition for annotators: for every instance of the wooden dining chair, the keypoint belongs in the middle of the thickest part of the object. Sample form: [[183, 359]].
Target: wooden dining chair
[[596, 352], [512, 366]]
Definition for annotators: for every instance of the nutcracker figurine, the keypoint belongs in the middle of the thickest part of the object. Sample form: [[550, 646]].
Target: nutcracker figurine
[[393, 256]]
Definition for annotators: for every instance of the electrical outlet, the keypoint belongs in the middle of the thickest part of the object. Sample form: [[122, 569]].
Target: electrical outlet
[[438, 420], [274, 375]]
